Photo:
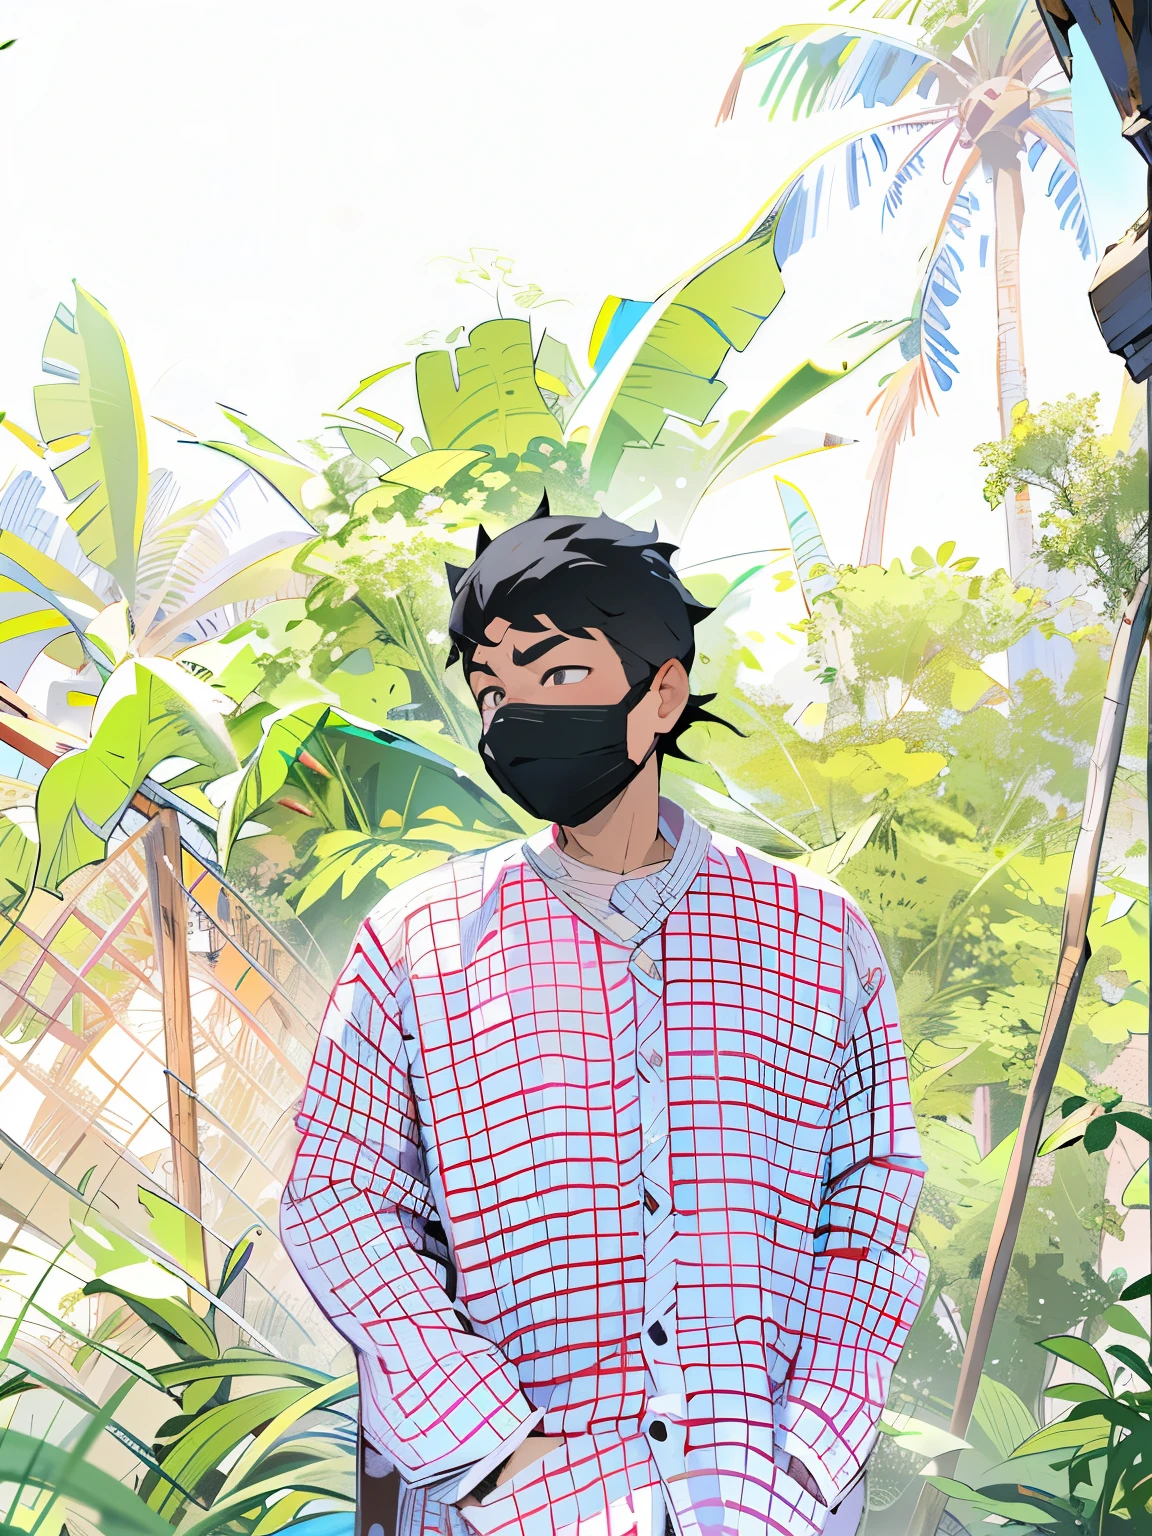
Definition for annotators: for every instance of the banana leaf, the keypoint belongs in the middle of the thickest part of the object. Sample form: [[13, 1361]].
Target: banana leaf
[[41, 601], [363, 809], [497, 404], [19, 851], [96, 418], [149, 713]]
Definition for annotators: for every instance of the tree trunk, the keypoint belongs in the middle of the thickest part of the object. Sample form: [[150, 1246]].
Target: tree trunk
[[170, 931], [1011, 378], [1074, 952], [872, 548]]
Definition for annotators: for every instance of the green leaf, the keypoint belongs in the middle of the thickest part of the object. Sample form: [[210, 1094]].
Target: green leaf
[[41, 601], [371, 447], [1073, 1101], [385, 809], [1138, 1288], [1080, 1353], [841, 356], [373, 378], [97, 418], [31, 1460], [1072, 1128], [1100, 1133], [286, 475], [1122, 1320], [148, 711], [1077, 1435], [1076, 1392], [19, 851], [241, 1364], [238, 1256], [1141, 1124], [154, 1295], [1003, 1416], [338, 1390], [1132, 1360], [212, 1435], [1008, 1509], [92, 1343], [497, 403], [1135, 1195], [179, 1234]]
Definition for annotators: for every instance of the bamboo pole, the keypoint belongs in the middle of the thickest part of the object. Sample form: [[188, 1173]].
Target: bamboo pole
[[170, 929], [1074, 954]]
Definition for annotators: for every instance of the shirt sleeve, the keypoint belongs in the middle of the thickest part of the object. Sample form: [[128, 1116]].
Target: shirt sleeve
[[437, 1400], [867, 1283]]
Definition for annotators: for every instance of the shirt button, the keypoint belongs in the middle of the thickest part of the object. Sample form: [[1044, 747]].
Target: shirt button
[[658, 1430], [657, 1335]]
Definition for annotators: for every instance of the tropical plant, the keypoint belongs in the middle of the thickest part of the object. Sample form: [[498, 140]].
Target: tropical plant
[[134, 581], [1108, 1431], [358, 811], [983, 81], [255, 1439], [1097, 521], [1059, 1010]]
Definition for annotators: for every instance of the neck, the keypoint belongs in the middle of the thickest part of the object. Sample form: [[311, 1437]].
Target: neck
[[626, 833]]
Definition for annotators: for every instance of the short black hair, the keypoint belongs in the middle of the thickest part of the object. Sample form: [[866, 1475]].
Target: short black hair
[[583, 572]]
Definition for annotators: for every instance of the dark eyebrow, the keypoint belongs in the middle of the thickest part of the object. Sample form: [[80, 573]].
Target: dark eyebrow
[[541, 648], [480, 666]]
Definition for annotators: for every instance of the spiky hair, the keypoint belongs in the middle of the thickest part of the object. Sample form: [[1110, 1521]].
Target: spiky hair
[[582, 573]]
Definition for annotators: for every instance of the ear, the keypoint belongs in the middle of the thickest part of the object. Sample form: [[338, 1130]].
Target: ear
[[542, 510], [453, 573], [483, 539]]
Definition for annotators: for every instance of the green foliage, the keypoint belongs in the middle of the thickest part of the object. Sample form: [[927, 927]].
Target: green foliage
[[150, 713], [279, 1428], [30, 1461], [357, 811], [1103, 1443], [1098, 518], [19, 851], [96, 420], [497, 404]]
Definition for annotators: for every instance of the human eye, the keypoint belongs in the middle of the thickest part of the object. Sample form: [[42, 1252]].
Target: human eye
[[490, 698], [559, 676]]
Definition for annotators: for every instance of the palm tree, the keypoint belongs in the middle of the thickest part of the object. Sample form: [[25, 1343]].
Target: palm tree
[[984, 81]]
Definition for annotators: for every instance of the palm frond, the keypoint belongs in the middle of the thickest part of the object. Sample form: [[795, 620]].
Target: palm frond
[[909, 169], [818, 68], [806, 205], [1064, 187], [235, 548]]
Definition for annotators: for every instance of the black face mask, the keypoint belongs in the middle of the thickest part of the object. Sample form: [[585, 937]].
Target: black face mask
[[562, 762]]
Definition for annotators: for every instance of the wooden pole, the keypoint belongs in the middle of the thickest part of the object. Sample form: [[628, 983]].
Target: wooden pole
[[1074, 953], [170, 928], [377, 1498]]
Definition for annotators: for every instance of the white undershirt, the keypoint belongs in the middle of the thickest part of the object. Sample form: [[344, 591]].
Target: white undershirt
[[588, 891]]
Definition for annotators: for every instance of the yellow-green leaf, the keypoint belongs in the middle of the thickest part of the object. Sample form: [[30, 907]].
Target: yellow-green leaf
[[100, 404]]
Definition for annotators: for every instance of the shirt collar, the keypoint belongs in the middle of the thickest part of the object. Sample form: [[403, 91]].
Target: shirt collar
[[650, 900]]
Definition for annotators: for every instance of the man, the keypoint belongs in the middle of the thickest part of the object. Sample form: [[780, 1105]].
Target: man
[[608, 1163]]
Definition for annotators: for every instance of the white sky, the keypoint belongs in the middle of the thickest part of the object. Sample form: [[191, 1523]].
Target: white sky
[[256, 191]]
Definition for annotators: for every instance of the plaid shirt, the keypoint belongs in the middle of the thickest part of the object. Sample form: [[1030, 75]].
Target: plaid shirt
[[652, 1195]]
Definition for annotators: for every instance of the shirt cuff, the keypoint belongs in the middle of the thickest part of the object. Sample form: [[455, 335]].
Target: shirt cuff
[[788, 1444], [456, 1486]]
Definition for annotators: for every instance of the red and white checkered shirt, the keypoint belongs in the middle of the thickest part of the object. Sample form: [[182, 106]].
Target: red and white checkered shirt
[[651, 1195]]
